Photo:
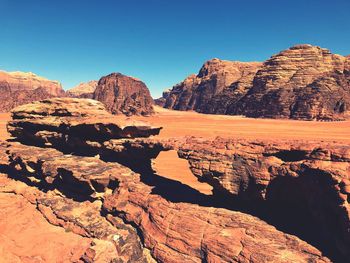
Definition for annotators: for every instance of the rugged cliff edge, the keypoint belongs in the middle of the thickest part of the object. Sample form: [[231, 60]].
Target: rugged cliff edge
[[303, 82], [90, 173], [19, 88]]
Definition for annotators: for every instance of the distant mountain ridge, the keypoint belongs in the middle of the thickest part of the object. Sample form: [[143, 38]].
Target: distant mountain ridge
[[19, 88], [303, 82], [83, 90]]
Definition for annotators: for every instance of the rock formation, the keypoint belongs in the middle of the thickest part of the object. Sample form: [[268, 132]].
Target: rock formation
[[19, 88], [303, 82], [162, 100], [312, 176], [124, 95], [83, 90], [215, 77], [91, 175]]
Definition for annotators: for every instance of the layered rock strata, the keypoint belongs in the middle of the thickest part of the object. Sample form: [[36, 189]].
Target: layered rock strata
[[313, 176], [304, 82]]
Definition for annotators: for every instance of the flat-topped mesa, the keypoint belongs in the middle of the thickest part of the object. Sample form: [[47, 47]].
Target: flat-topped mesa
[[19, 88], [124, 95], [73, 124]]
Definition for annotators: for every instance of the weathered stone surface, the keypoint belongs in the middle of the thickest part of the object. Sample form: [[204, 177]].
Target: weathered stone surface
[[124, 95], [183, 232], [290, 173], [303, 82], [100, 241], [173, 232], [19, 88], [83, 90]]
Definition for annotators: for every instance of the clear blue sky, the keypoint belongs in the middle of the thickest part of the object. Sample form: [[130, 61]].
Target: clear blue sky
[[159, 41]]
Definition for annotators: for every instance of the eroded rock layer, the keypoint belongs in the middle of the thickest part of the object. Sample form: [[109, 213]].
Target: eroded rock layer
[[173, 232], [303, 82], [296, 174], [19, 88]]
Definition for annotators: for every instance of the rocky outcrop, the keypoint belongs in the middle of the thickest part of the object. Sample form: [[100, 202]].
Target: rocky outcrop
[[162, 100], [83, 90], [215, 77], [60, 188], [62, 121], [303, 82], [19, 88], [312, 176], [124, 95], [116, 203]]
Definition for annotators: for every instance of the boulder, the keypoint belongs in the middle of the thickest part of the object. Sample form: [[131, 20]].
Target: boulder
[[124, 95]]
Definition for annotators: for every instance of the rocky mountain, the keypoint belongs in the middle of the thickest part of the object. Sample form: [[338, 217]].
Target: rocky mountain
[[124, 95], [83, 90], [19, 88], [89, 175], [302, 82], [162, 100], [215, 77]]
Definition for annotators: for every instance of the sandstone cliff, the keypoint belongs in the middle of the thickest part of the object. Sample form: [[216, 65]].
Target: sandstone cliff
[[303, 82], [124, 95], [19, 88]]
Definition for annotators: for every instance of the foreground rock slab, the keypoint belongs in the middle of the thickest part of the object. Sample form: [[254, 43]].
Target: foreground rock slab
[[173, 232], [59, 120]]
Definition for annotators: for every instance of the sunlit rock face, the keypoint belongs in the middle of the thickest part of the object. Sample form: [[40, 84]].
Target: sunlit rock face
[[302, 82], [19, 88]]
